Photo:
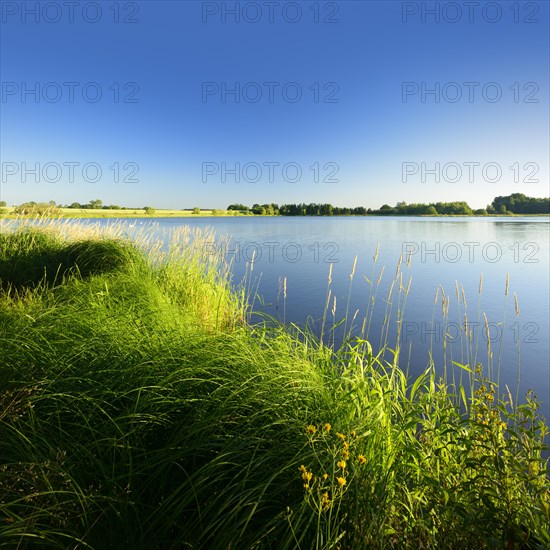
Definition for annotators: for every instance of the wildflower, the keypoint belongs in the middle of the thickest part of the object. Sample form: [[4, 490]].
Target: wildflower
[[325, 477], [325, 500], [341, 436], [341, 481], [327, 427], [306, 476], [345, 445], [353, 434], [302, 469], [311, 429], [341, 464], [345, 454], [362, 459]]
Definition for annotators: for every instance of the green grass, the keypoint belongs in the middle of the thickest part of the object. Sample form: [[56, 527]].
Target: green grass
[[57, 212], [138, 409]]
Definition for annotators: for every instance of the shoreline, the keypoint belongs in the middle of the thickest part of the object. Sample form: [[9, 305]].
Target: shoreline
[[159, 213]]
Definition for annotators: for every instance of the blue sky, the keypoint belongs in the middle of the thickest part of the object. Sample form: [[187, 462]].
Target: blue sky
[[163, 133]]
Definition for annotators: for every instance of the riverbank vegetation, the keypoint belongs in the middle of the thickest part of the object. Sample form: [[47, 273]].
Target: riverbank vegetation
[[515, 204], [139, 409], [33, 209]]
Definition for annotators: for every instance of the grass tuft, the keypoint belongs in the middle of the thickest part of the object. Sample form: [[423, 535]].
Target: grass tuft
[[31, 257]]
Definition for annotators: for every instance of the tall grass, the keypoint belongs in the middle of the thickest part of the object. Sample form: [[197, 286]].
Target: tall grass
[[139, 409]]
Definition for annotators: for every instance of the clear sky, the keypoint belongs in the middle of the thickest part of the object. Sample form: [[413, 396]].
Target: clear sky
[[354, 103]]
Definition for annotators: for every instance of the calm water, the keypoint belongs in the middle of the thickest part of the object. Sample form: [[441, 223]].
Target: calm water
[[443, 252]]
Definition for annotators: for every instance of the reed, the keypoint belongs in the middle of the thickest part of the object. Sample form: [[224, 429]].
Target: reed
[[140, 409]]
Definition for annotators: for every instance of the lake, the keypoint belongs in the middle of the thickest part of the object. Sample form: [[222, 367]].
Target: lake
[[449, 254]]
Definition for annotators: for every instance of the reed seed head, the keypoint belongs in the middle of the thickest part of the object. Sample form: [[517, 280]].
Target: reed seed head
[[353, 268]]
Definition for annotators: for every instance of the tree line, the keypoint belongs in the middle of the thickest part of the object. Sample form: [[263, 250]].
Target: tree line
[[517, 203], [302, 209]]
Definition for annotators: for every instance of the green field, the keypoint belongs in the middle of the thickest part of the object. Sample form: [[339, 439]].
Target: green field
[[139, 409], [126, 213], [57, 212]]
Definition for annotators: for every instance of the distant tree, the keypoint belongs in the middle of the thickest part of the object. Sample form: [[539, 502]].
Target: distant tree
[[456, 208], [217, 212], [386, 210], [149, 210], [75, 205], [327, 210], [3, 203], [196, 210], [431, 211], [480, 212], [258, 210], [241, 207], [95, 204]]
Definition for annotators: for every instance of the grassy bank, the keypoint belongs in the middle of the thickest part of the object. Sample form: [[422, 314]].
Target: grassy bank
[[139, 410], [9, 212]]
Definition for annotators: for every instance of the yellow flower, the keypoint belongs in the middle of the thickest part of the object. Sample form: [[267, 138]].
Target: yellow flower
[[346, 445], [341, 481], [341, 436], [327, 427], [341, 464], [325, 477], [311, 429], [353, 434], [306, 476], [362, 459], [302, 468], [325, 500], [345, 453]]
